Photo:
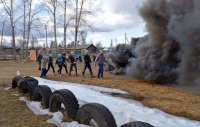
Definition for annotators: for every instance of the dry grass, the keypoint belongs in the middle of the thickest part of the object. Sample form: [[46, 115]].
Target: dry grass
[[15, 113]]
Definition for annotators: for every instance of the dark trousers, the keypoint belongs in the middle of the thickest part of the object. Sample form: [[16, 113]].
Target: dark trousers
[[60, 68], [43, 72], [65, 66], [71, 67], [50, 66], [87, 65], [100, 71], [39, 63]]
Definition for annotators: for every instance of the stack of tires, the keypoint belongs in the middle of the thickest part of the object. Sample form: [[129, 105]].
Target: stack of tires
[[93, 114]]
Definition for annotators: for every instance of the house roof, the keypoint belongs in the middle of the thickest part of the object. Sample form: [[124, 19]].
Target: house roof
[[83, 46]]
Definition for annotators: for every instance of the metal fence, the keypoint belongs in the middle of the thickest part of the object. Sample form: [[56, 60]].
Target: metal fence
[[4, 56]]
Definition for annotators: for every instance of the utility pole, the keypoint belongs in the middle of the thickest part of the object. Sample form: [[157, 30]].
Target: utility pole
[[24, 33], [125, 38], [76, 25], [65, 28], [46, 35], [111, 45]]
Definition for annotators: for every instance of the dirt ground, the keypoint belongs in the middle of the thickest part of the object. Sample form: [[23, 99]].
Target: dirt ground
[[15, 113]]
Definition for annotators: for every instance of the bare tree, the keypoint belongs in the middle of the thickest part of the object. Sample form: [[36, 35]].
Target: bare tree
[[51, 6], [24, 31], [9, 11], [66, 19], [79, 11], [20, 42], [32, 42], [2, 34], [31, 18]]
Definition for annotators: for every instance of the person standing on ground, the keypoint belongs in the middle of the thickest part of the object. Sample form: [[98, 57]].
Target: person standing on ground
[[50, 63], [64, 61], [72, 63], [100, 59], [59, 63], [87, 62], [43, 65], [39, 58]]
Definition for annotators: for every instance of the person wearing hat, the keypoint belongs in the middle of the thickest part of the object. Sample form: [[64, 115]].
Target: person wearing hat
[[72, 63], [100, 59], [50, 63], [87, 62], [59, 63]]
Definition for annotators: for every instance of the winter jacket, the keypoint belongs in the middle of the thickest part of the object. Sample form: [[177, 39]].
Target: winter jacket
[[39, 57], [72, 59], [43, 63], [100, 59], [50, 60], [64, 60], [59, 61], [87, 59]]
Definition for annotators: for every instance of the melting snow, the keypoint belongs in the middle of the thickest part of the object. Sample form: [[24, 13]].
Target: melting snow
[[7, 88], [123, 110]]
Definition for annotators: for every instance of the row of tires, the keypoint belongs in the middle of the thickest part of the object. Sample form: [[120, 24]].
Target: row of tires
[[64, 100]]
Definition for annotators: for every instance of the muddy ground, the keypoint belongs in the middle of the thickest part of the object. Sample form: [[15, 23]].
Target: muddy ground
[[15, 113]]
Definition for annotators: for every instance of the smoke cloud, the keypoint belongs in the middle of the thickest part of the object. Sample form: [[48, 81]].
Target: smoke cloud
[[171, 51], [120, 58]]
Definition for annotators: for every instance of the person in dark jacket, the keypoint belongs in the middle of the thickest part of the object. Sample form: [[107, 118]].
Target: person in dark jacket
[[50, 63], [87, 61], [100, 59], [64, 62], [72, 60], [59, 63], [39, 58]]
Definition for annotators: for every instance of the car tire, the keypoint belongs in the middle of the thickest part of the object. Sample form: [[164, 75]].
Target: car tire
[[68, 99], [42, 93], [97, 112], [15, 81], [136, 124], [23, 84]]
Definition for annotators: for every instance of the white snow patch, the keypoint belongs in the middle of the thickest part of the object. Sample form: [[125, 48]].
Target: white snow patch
[[57, 116], [15, 95], [57, 119], [35, 106], [123, 110], [104, 90], [94, 88], [7, 88]]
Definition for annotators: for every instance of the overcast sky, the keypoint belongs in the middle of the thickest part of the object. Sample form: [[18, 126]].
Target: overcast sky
[[115, 18], [111, 20]]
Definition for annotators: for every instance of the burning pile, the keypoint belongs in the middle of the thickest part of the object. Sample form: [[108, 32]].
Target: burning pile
[[171, 51]]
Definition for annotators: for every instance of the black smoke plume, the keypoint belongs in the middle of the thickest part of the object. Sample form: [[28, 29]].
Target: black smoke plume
[[171, 52], [120, 57]]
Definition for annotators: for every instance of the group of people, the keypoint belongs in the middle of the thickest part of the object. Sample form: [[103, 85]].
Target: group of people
[[46, 62]]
